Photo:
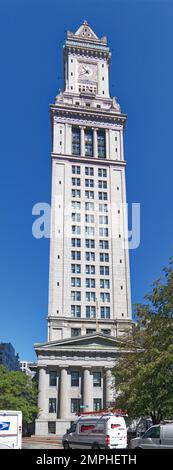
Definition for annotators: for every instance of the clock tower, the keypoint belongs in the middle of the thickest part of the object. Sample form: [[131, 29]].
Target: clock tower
[[86, 71], [89, 277]]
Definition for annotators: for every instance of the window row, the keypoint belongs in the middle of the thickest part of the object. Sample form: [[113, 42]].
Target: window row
[[89, 218], [77, 331], [89, 269], [103, 231], [89, 206], [75, 407], [90, 312], [90, 296], [88, 138], [89, 183], [90, 283], [89, 171]]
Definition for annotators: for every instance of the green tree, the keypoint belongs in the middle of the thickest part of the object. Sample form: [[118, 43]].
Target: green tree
[[18, 392], [144, 373]]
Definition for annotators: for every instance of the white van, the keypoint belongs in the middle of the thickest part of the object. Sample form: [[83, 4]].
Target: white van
[[106, 431], [10, 429]]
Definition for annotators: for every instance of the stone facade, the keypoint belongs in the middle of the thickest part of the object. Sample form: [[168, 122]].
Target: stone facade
[[89, 279]]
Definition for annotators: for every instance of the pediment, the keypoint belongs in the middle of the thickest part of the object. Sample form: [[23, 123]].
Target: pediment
[[86, 32], [95, 341]]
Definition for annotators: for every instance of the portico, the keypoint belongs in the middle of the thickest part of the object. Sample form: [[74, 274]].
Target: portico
[[83, 380]]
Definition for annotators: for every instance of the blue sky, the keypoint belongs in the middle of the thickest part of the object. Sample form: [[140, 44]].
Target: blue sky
[[32, 33]]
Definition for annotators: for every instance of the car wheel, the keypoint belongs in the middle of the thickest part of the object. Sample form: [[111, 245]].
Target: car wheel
[[66, 445], [95, 446]]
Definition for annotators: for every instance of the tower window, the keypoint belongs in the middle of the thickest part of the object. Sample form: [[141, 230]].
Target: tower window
[[88, 143], [75, 141], [101, 144]]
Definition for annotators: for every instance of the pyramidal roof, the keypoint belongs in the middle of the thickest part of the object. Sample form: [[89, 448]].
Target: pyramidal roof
[[85, 33]]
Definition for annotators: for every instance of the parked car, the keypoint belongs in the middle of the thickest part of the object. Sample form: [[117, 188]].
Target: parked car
[[97, 432], [156, 437]]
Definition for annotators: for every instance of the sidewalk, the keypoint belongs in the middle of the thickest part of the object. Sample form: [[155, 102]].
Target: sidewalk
[[42, 442]]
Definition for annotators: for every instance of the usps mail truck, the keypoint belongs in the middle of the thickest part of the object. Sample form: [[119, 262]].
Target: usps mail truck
[[10, 429]]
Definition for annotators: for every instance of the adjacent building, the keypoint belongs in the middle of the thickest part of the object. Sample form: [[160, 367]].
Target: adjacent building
[[8, 358], [89, 280]]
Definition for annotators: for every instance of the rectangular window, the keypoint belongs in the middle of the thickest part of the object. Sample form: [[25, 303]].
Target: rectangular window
[[90, 283], [104, 270], [75, 405], [74, 379], [101, 142], [90, 311], [76, 255], [75, 217], [52, 378], [97, 379], [76, 311], [89, 183], [89, 171], [76, 229], [88, 142], [52, 405], [90, 256], [89, 206], [75, 193], [89, 194], [103, 232], [76, 205], [90, 296], [89, 218], [97, 404], [103, 208], [103, 196], [104, 257], [105, 312], [76, 242], [104, 284], [89, 331], [76, 268], [90, 231], [75, 170], [106, 332], [75, 141], [51, 427], [104, 244], [75, 282], [104, 297], [76, 296], [89, 269], [75, 332], [75, 181], [102, 172], [89, 243], [103, 219], [101, 184]]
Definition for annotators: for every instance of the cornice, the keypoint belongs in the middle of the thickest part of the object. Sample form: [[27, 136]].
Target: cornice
[[88, 114]]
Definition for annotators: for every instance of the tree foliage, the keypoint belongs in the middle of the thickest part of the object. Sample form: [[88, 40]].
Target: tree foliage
[[18, 392], [144, 373]]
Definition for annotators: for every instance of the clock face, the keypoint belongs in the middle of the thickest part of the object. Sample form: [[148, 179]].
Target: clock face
[[87, 71]]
